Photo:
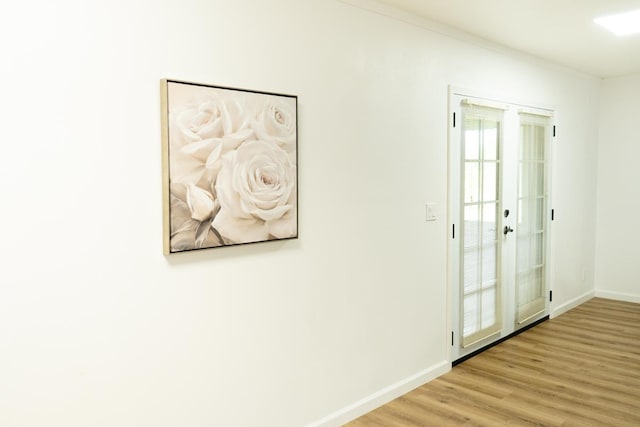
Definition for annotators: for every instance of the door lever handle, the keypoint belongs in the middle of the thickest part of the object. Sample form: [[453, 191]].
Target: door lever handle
[[507, 229]]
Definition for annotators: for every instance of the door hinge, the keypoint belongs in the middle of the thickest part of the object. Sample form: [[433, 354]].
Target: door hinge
[[452, 338], [550, 296], [554, 131], [454, 120], [553, 214], [453, 231]]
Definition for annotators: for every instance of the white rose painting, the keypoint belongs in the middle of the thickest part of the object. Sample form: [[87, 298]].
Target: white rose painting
[[230, 166]]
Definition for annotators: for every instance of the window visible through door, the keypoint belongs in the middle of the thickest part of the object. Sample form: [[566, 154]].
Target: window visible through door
[[481, 206], [531, 226]]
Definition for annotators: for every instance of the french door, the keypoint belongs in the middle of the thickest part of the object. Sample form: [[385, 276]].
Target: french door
[[499, 205]]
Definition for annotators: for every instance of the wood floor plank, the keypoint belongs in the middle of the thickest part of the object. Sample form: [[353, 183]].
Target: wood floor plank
[[579, 369], [563, 373]]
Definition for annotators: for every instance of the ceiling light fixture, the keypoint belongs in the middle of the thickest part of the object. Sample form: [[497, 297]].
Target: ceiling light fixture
[[621, 24]]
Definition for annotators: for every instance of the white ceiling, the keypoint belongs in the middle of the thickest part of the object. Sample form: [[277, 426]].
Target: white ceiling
[[561, 31]]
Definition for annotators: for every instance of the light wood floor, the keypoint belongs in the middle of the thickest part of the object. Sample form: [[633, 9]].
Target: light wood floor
[[579, 369]]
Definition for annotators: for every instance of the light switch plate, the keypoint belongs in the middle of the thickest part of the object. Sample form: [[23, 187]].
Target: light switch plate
[[431, 212]]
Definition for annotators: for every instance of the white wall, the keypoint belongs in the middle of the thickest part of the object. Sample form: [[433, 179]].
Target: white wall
[[98, 328], [617, 267]]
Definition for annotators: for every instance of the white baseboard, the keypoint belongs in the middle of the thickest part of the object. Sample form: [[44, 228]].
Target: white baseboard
[[383, 396], [557, 311], [618, 296]]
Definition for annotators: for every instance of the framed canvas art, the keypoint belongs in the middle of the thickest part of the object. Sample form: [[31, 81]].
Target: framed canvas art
[[229, 166]]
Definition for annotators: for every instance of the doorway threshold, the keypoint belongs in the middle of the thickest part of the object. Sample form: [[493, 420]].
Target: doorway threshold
[[503, 339]]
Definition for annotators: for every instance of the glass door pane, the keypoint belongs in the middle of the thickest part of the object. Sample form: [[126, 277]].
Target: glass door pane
[[481, 222], [531, 228]]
